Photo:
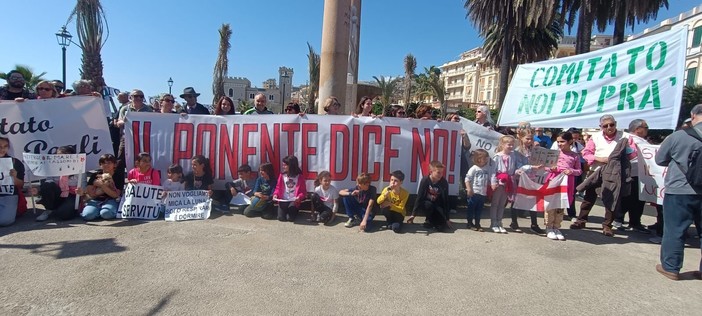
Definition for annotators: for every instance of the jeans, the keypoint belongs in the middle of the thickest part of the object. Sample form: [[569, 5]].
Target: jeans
[[8, 209], [105, 209], [475, 209], [353, 208], [258, 207], [680, 212]]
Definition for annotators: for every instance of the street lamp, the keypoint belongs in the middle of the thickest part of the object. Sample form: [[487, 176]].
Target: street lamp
[[64, 39], [282, 92], [170, 84]]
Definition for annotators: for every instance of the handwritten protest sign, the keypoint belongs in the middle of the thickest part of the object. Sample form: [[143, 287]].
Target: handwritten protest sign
[[480, 136], [45, 165], [544, 157], [651, 175], [7, 184], [187, 205], [141, 201], [640, 79]]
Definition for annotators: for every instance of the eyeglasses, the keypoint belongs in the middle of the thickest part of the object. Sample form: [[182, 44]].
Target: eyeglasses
[[401, 113], [478, 111], [456, 118], [44, 89], [608, 125], [646, 127], [59, 87]]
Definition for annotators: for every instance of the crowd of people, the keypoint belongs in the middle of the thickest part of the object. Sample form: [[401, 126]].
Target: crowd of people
[[600, 163]]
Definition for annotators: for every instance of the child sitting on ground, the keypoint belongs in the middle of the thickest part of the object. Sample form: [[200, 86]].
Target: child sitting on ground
[[325, 199], [392, 202], [359, 200]]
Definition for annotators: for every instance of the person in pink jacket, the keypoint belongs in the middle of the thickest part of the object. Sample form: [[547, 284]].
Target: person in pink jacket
[[290, 190]]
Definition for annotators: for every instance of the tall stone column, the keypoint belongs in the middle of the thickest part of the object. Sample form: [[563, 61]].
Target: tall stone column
[[354, 48], [334, 56]]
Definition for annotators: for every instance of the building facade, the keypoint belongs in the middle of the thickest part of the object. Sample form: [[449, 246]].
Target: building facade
[[240, 89]]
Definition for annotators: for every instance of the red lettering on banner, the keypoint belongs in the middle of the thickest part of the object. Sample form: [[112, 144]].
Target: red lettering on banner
[[664, 173], [246, 149], [647, 153], [308, 150], [452, 158], [211, 131], [270, 150], [227, 151], [290, 129], [420, 153], [135, 137], [377, 140], [180, 130], [336, 144], [354, 151], [389, 151], [439, 135], [649, 189]]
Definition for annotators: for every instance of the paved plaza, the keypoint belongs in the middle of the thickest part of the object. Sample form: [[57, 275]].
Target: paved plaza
[[233, 265]]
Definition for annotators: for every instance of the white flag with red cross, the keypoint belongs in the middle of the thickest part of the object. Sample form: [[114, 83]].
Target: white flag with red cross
[[540, 197]]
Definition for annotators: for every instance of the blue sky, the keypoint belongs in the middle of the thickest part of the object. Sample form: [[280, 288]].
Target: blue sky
[[153, 40]]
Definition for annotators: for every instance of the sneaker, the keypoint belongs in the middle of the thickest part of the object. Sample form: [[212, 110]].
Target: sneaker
[[350, 223], [618, 225], [550, 234], [559, 235], [44, 216], [656, 240], [395, 227], [502, 230], [640, 228], [515, 228], [496, 229], [537, 230]]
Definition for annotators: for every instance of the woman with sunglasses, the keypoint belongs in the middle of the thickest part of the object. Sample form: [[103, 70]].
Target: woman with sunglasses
[[482, 117], [45, 90], [168, 104]]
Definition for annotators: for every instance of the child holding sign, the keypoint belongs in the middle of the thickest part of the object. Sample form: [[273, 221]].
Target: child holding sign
[[526, 149], [143, 172], [290, 190], [63, 206], [569, 164], [13, 181]]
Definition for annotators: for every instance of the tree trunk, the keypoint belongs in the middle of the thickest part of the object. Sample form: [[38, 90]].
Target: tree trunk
[[505, 65], [585, 19], [619, 24]]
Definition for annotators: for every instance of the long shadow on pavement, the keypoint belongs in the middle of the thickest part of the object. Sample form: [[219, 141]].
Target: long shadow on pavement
[[71, 249]]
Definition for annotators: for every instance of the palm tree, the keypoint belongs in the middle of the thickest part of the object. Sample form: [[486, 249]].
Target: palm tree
[[30, 78], [514, 16], [313, 64], [430, 83], [410, 66], [626, 13], [92, 30], [221, 68], [388, 86]]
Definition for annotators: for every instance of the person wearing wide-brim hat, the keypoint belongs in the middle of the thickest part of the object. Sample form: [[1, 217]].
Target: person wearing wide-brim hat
[[191, 105]]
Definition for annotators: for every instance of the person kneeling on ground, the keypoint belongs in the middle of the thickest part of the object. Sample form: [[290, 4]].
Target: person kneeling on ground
[[104, 190], [392, 202], [432, 198]]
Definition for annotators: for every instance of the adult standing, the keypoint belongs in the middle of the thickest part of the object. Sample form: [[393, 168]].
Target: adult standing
[[541, 139], [332, 106], [136, 105], [14, 89], [682, 202], [167, 104], [483, 117], [225, 106], [191, 105], [259, 105], [597, 152], [45, 90], [365, 107], [638, 130]]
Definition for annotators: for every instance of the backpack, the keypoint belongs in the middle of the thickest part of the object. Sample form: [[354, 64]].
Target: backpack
[[694, 162]]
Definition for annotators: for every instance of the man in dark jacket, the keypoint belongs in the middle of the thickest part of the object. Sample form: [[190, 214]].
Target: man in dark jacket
[[682, 202], [191, 105]]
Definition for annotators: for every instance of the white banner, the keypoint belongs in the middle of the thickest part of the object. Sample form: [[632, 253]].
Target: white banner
[[141, 201], [344, 145], [45, 165], [481, 137], [187, 205], [651, 175], [641, 79], [7, 184], [41, 126]]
